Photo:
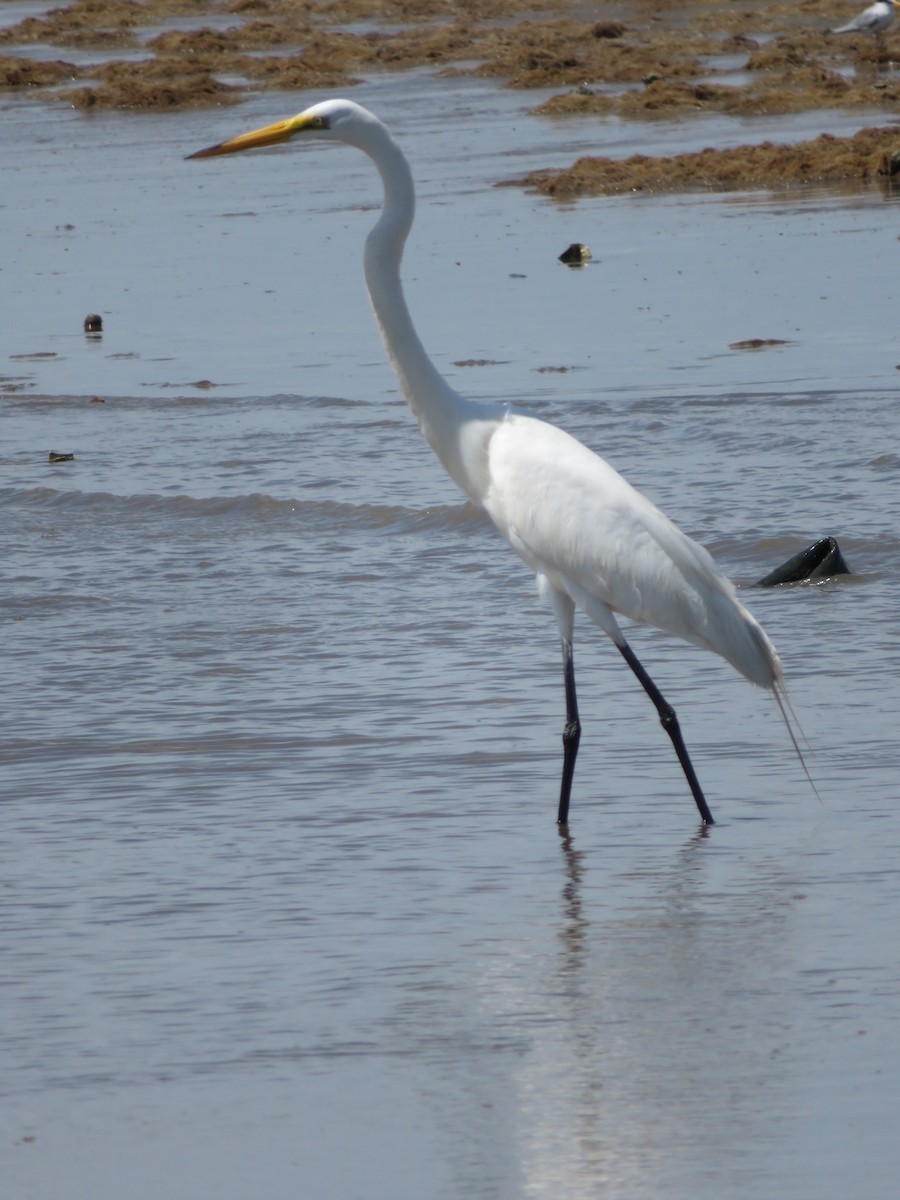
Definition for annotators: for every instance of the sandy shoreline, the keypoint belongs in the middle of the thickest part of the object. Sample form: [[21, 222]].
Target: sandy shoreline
[[635, 61]]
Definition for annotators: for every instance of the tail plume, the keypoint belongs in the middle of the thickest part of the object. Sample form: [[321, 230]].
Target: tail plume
[[791, 721]]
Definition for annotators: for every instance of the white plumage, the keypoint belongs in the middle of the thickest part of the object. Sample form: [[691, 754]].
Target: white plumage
[[875, 19], [593, 541], [576, 521]]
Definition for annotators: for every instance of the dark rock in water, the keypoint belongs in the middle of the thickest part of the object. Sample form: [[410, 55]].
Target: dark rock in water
[[575, 255], [756, 343], [55, 458], [821, 560]]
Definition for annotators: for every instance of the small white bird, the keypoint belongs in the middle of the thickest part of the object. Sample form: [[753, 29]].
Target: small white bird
[[875, 19], [593, 541]]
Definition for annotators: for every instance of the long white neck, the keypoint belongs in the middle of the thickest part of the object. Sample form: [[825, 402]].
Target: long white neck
[[441, 412]]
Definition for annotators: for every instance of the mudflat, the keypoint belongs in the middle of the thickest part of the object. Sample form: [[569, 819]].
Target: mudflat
[[636, 60]]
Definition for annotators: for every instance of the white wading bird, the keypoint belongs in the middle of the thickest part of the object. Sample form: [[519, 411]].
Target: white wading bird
[[594, 542], [875, 19]]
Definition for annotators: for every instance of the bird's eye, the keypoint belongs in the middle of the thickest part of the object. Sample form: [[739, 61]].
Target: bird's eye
[[319, 122]]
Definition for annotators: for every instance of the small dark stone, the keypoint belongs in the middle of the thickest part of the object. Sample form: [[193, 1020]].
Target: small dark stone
[[608, 29], [575, 255], [756, 343]]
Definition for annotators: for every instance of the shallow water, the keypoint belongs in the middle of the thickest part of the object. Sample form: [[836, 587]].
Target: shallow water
[[284, 907]]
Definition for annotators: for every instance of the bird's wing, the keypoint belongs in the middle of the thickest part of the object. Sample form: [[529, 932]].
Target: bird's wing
[[574, 519], [872, 18]]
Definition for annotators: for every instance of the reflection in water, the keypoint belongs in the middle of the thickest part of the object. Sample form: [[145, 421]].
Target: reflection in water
[[575, 926], [649, 1078]]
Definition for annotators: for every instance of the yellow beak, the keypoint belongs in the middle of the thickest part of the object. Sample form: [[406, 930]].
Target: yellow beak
[[269, 135]]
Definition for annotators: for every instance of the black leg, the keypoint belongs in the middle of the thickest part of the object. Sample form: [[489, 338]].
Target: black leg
[[669, 722], [571, 735]]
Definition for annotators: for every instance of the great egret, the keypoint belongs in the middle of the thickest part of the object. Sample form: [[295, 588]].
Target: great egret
[[594, 542], [875, 19]]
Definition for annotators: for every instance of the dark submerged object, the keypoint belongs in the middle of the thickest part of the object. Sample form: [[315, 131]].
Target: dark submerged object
[[821, 560], [53, 457], [93, 323]]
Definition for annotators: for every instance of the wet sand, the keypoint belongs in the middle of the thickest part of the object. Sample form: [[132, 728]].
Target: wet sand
[[639, 61]]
